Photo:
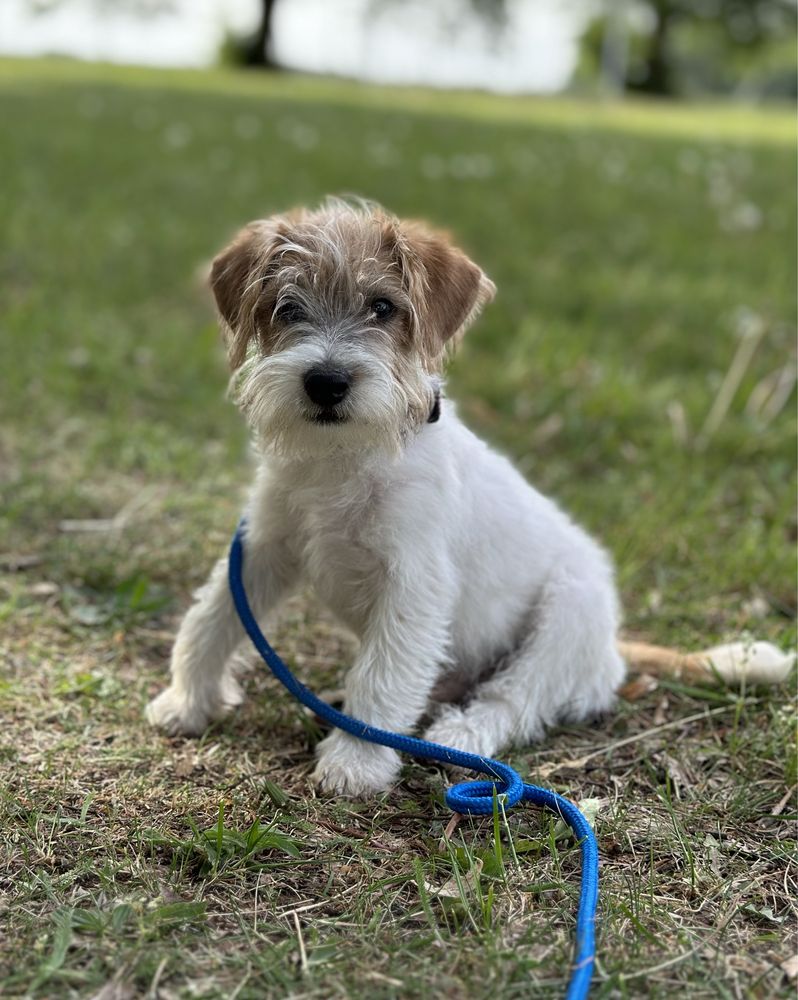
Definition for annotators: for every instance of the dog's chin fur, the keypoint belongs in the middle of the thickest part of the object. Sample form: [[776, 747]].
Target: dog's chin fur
[[379, 414]]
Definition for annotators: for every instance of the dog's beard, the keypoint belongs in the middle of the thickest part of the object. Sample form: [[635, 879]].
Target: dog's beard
[[387, 403]]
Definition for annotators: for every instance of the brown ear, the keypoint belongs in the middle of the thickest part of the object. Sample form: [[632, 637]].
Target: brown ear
[[448, 288], [236, 281]]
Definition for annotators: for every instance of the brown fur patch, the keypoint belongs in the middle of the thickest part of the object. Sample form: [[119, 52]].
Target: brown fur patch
[[232, 273], [336, 260], [449, 287]]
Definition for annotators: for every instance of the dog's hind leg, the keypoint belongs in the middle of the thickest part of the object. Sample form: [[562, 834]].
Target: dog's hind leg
[[566, 667]]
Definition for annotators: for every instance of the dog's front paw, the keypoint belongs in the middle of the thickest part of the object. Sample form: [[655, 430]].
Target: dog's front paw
[[181, 715], [351, 767], [176, 714]]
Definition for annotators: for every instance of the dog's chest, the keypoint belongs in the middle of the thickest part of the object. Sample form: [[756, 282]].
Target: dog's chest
[[339, 541]]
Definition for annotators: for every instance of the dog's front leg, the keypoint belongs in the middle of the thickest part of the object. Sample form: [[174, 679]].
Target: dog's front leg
[[389, 686], [202, 687]]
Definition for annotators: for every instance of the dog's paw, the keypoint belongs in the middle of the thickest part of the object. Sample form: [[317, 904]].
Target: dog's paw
[[179, 715], [173, 712], [452, 728], [348, 766]]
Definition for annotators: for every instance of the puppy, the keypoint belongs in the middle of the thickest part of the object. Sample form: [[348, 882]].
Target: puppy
[[478, 604]]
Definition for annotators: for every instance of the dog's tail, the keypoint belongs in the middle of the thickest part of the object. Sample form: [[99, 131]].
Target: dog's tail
[[733, 663]]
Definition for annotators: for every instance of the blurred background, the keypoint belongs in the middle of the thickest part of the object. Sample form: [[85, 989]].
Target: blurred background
[[739, 48]]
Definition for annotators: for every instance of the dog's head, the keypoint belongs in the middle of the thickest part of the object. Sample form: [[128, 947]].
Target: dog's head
[[337, 322]]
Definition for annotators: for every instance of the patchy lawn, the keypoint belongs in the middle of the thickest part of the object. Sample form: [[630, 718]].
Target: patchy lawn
[[638, 251]]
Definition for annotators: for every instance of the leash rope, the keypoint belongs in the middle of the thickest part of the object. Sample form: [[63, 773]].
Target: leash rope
[[475, 797]]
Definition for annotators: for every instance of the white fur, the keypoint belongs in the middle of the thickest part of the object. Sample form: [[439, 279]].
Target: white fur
[[752, 662], [444, 562]]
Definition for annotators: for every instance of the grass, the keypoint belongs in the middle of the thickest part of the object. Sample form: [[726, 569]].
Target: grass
[[635, 248]]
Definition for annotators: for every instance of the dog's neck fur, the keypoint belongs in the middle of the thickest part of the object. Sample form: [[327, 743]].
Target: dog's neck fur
[[338, 466]]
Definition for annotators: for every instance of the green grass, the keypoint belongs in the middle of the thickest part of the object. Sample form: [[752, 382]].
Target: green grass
[[633, 246]]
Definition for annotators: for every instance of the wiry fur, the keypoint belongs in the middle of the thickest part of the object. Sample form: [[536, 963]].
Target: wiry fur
[[331, 263], [429, 546]]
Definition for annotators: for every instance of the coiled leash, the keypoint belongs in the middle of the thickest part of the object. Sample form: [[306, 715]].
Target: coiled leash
[[466, 797]]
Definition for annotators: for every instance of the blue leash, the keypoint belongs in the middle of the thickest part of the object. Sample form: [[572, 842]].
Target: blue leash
[[467, 797]]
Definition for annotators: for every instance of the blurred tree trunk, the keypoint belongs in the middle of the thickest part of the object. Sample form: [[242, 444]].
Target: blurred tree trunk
[[658, 78], [255, 50]]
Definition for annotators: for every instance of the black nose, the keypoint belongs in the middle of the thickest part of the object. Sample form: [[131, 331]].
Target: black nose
[[326, 386]]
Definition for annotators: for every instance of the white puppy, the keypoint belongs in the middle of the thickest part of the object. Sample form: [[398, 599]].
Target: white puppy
[[476, 601]]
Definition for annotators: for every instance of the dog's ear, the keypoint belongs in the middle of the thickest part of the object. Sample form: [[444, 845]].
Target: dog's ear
[[447, 287], [237, 276]]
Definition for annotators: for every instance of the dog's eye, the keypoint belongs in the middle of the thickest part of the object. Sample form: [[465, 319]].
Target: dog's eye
[[290, 312], [383, 308]]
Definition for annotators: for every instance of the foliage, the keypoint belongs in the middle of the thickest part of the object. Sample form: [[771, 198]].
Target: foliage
[[681, 47]]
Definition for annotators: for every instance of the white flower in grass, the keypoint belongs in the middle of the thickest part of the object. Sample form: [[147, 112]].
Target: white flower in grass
[[247, 126], [177, 135]]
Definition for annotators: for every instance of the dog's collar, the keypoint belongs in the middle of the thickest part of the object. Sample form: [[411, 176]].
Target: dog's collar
[[435, 412]]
